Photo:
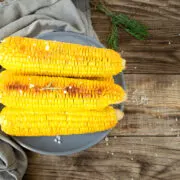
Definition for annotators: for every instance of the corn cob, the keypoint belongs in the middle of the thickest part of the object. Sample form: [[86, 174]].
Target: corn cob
[[44, 92], [42, 57], [50, 123]]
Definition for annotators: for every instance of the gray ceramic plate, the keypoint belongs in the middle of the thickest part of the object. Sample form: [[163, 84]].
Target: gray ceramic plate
[[74, 143]]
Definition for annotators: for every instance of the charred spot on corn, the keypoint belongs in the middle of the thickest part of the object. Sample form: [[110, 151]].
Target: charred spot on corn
[[16, 86]]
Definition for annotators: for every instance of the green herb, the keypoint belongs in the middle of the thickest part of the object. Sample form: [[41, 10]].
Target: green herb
[[113, 37], [133, 27]]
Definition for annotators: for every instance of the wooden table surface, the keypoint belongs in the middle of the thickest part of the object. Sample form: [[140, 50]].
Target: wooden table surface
[[145, 145]]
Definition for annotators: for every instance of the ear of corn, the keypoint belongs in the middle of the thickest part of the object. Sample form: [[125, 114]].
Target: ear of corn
[[33, 56], [20, 122], [43, 92]]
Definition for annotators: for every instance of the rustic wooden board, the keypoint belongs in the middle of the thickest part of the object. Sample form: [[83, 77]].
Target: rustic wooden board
[[134, 158], [160, 53], [153, 106]]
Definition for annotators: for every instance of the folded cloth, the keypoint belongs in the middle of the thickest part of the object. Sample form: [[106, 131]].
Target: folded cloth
[[31, 18], [13, 160]]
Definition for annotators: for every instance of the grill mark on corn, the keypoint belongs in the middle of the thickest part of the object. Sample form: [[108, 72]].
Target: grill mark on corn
[[23, 87], [23, 48], [73, 91], [17, 86], [70, 90]]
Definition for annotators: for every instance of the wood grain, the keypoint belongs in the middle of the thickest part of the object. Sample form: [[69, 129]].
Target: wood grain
[[160, 53], [157, 90], [133, 158], [153, 106]]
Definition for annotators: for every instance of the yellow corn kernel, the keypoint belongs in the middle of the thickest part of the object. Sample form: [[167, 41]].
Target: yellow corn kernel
[[43, 92], [42, 57], [18, 122]]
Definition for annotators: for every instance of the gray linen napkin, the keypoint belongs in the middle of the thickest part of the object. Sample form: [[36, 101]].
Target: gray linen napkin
[[13, 160], [31, 18]]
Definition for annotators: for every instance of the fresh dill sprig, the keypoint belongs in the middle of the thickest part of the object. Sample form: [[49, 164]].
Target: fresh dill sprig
[[113, 37], [132, 26]]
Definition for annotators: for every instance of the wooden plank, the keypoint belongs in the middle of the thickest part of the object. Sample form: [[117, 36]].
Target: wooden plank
[[134, 158], [147, 122], [160, 54], [157, 90], [163, 8], [153, 106]]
